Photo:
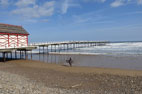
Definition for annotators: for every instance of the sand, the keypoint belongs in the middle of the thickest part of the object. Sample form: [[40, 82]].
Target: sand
[[86, 80]]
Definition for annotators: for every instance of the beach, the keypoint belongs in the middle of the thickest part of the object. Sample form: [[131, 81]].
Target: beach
[[70, 46], [34, 77]]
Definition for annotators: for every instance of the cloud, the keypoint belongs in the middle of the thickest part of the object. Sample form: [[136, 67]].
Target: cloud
[[117, 3], [4, 3], [34, 11], [65, 6], [139, 2], [96, 17], [24, 3], [133, 13], [102, 1], [44, 20]]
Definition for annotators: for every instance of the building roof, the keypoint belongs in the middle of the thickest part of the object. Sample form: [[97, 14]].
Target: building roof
[[13, 29]]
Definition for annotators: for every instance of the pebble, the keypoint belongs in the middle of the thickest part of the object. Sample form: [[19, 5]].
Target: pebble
[[15, 84]]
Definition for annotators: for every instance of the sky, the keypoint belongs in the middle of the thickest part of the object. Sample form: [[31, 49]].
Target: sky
[[75, 20]]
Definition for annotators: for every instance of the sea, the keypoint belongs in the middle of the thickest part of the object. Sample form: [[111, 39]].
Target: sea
[[115, 49], [121, 55]]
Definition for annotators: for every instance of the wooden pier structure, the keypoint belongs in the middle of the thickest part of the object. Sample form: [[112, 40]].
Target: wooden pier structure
[[21, 50], [45, 48], [60, 46]]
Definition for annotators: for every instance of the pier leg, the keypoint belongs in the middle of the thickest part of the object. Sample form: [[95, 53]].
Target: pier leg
[[15, 54], [43, 49], [26, 57], [39, 49], [63, 46], [55, 48], [31, 55], [6, 55], [20, 54], [67, 46], [47, 49], [11, 55], [51, 48], [4, 59], [58, 48]]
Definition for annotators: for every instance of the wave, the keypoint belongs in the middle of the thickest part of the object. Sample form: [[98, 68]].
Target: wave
[[123, 48], [115, 48]]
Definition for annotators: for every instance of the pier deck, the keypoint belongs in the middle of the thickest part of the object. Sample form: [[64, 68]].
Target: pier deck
[[72, 42]]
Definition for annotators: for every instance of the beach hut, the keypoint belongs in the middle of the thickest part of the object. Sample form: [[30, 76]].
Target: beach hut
[[12, 36]]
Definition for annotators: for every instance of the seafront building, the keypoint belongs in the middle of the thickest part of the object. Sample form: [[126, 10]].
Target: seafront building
[[12, 36], [13, 39]]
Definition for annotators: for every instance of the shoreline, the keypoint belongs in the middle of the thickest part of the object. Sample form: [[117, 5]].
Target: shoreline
[[101, 61], [74, 69]]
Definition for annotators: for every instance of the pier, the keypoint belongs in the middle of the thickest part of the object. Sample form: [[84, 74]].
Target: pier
[[14, 39], [69, 45], [45, 48], [5, 52]]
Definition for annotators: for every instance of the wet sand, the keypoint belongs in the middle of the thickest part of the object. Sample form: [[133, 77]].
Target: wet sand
[[103, 61], [87, 80]]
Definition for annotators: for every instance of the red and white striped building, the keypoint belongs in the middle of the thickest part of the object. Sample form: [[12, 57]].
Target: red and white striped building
[[12, 36]]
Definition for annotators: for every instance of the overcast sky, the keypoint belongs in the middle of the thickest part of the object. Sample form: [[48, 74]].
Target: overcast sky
[[59, 20]]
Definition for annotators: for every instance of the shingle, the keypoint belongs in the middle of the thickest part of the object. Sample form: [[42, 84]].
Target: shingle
[[6, 28]]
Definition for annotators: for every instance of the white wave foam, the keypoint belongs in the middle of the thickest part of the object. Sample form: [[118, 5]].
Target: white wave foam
[[76, 53], [116, 48]]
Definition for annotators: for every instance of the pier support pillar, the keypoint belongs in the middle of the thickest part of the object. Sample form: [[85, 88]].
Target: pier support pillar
[[31, 55], [15, 54], [55, 48], [43, 50], [47, 50], [51, 48], [20, 55], [26, 57], [6, 55], [67, 46], [64, 47], [39, 49], [73, 45], [4, 58], [11, 55]]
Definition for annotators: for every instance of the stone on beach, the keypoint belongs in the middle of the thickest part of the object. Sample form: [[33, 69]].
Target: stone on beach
[[33, 77]]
